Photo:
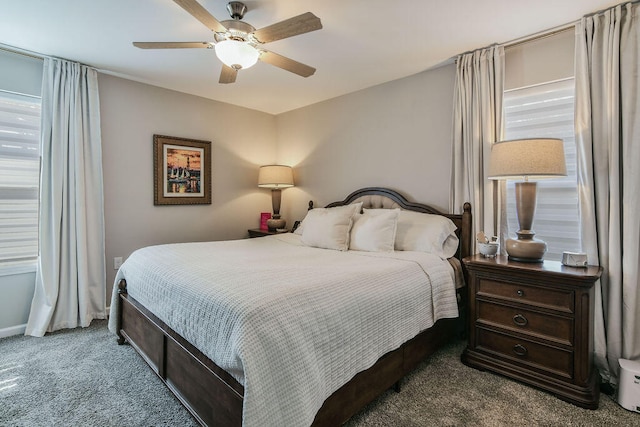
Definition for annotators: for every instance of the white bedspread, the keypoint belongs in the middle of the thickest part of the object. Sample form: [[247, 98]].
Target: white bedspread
[[289, 322]]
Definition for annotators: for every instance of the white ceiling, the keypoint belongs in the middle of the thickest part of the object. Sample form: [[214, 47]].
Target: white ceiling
[[363, 42]]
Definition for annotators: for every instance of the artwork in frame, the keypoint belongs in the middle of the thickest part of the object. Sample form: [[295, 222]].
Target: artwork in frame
[[264, 217], [182, 171]]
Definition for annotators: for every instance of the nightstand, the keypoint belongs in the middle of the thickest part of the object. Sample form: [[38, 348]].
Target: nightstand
[[259, 232], [533, 322]]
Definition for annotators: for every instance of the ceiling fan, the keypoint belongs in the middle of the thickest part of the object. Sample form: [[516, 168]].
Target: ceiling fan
[[238, 44]]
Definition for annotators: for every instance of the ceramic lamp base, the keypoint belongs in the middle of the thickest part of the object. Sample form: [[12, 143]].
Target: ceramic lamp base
[[526, 250], [275, 223]]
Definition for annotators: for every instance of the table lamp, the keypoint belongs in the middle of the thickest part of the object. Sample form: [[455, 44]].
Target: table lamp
[[275, 177], [527, 159]]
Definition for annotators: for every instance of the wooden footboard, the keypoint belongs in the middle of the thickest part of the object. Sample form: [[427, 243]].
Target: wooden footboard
[[212, 396], [385, 373], [215, 398]]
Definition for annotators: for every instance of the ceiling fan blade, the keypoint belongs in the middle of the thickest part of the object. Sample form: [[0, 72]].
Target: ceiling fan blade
[[286, 63], [172, 45], [228, 74], [201, 14], [300, 24]]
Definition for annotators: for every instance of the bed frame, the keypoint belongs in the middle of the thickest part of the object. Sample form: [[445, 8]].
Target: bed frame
[[215, 398]]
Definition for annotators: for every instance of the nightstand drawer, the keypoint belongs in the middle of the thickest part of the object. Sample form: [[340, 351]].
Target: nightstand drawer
[[540, 297], [554, 328], [536, 356]]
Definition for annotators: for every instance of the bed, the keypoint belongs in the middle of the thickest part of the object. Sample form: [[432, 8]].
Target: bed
[[300, 334]]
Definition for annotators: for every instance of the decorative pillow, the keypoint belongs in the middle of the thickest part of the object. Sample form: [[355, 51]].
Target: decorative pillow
[[329, 228], [374, 230], [426, 233]]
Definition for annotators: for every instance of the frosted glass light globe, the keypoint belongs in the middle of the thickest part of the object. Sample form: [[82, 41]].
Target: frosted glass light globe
[[237, 54]]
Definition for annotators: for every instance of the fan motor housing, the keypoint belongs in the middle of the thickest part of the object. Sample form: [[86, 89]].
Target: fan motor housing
[[236, 9], [238, 26]]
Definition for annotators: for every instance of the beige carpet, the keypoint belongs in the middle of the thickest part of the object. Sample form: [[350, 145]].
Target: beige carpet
[[82, 377]]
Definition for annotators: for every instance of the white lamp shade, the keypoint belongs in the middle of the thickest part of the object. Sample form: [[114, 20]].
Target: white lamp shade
[[527, 158], [275, 176], [237, 54]]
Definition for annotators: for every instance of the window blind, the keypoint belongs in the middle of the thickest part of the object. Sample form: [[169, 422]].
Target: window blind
[[547, 111], [19, 180]]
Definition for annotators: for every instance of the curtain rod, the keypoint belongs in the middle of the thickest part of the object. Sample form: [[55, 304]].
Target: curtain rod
[[39, 56], [609, 8], [545, 33], [540, 35], [22, 52], [526, 39], [556, 30]]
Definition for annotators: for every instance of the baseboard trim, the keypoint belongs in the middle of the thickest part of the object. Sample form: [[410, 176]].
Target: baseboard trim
[[13, 330]]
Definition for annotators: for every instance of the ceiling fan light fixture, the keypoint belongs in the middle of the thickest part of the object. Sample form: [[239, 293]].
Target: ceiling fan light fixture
[[238, 44], [237, 54]]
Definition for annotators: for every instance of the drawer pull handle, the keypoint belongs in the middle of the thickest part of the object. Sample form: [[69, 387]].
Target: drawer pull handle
[[520, 350], [520, 320], [520, 292]]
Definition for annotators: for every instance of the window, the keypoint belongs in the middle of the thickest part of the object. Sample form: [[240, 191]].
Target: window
[[546, 110], [19, 177]]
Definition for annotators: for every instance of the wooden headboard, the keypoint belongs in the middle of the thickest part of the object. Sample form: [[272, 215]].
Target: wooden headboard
[[377, 198]]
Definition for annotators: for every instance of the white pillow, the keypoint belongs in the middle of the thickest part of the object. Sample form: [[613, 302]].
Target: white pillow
[[374, 230], [426, 233], [329, 228]]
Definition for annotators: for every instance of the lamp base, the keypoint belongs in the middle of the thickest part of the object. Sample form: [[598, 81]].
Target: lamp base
[[526, 249], [274, 223]]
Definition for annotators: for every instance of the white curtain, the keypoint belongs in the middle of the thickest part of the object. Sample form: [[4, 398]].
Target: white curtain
[[70, 277], [608, 140], [478, 123]]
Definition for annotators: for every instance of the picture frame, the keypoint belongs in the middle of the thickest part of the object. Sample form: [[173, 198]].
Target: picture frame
[[181, 171], [264, 217]]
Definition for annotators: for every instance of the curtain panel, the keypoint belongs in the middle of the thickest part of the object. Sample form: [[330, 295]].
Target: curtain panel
[[608, 141], [70, 276], [477, 124]]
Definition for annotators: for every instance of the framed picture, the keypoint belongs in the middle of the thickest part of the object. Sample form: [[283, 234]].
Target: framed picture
[[264, 217], [182, 171]]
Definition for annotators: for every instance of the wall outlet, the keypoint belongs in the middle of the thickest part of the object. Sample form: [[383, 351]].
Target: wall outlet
[[117, 262]]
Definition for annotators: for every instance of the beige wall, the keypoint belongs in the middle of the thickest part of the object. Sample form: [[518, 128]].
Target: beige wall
[[15, 303], [395, 135], [241, 139]]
